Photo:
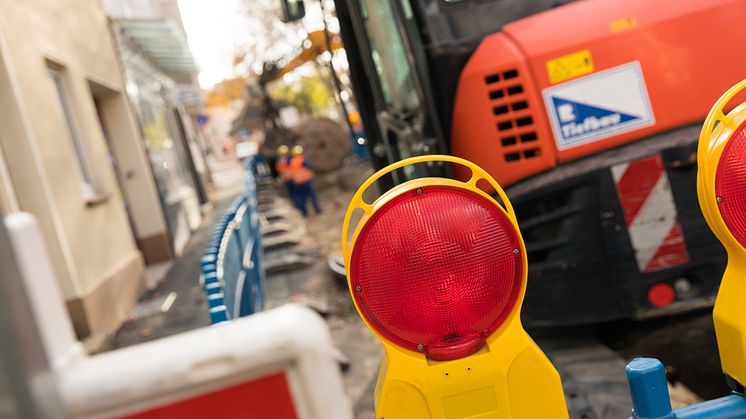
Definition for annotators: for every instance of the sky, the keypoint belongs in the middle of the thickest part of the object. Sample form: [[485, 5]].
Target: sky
[[216, 29]]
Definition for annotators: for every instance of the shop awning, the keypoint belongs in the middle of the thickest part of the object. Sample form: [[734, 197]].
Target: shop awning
[[162, 40]]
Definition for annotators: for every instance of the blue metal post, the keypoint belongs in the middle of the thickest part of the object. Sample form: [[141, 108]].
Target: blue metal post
[[649, 390]]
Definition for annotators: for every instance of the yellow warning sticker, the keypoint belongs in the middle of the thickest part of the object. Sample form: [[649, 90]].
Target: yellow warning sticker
[[623, 24], [569, 66]]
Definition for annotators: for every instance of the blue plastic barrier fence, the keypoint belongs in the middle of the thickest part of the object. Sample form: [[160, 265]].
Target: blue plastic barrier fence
[[231, 268]]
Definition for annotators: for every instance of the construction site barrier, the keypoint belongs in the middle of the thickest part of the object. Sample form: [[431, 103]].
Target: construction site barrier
[[232, 271], [276, 364], [269, 365]]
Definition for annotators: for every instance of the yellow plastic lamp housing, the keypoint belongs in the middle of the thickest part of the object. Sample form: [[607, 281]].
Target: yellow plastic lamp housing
[[437, 269], [721, 187]]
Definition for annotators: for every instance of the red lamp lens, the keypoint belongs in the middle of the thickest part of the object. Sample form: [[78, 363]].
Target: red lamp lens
[[730, 184], [437, 270]]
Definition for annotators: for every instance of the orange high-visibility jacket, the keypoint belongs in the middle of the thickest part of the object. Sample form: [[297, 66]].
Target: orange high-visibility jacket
[[298, 171], [282, 166]]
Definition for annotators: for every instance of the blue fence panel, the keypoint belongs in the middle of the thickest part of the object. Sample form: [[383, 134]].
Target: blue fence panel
[[256, 276], [650, 398], [232, 271]]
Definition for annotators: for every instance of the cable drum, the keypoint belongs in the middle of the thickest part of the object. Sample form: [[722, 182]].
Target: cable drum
[[325, 143]]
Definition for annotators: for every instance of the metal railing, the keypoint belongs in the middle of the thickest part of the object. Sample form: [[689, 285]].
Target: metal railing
[[231, 269]]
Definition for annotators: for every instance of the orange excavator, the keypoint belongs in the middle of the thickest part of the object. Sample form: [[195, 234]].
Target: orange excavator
[[313, 46], [587, 112]]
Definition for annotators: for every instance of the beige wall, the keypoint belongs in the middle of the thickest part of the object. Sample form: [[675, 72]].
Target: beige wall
[[8, 199], [24, 168], [90, 245]]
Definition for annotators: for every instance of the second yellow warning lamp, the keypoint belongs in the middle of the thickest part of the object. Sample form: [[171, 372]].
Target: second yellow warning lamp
[[437, 270], [721, 186]]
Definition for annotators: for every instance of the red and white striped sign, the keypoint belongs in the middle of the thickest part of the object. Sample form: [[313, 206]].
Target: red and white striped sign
[[650, 212]]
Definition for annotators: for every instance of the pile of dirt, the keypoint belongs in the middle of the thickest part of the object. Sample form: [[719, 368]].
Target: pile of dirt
[[325, 143]]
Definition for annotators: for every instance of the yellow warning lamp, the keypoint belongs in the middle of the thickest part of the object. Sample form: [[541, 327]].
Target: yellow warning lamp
[[721, 187], [437, 270]]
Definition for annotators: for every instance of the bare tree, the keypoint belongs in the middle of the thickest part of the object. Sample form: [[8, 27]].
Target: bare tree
[[271, 40]]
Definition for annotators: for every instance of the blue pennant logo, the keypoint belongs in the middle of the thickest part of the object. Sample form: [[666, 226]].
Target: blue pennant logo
[[576, 119]]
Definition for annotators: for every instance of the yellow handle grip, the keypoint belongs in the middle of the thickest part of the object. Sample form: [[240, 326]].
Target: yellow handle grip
[[477, 173], [708, 145], [714, 116]]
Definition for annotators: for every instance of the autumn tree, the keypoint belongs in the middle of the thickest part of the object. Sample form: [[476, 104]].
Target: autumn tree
[[310, 94]]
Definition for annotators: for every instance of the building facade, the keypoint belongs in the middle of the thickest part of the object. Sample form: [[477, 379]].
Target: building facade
[[71, 153], [160, 76]]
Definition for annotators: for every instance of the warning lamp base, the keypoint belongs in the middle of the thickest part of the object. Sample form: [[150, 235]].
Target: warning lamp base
[[498, 381], [728, 316]]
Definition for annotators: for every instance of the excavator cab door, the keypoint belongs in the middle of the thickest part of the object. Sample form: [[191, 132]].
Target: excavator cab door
[[396, 94]]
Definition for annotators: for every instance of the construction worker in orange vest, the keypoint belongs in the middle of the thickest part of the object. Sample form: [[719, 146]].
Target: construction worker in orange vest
[[282, 166], [302, 179]]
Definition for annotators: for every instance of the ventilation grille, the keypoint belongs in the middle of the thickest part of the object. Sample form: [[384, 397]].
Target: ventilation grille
[[513, 121]]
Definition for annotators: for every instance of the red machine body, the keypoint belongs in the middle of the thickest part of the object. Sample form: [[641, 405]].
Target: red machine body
[[507, 101]]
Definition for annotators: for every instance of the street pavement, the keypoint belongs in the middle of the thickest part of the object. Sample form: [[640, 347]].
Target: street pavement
[[179, 292], [189, 308]]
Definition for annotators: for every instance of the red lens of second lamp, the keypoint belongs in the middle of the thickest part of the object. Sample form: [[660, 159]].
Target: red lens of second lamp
[[730, 184]]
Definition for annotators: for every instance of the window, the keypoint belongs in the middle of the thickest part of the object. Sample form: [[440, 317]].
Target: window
[[389, 55], [58, 85]]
